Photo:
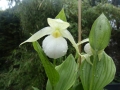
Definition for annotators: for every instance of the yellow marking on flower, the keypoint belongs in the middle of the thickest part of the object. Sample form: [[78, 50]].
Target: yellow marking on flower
[[56, 34]]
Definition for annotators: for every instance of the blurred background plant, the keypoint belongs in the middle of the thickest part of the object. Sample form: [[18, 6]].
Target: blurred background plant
[[20, 68]]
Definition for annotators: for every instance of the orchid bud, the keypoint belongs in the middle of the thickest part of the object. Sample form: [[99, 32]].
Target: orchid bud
[[87, 49]]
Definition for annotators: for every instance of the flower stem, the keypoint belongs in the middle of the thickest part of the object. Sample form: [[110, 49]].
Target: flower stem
[[79, 28], [54, 62]]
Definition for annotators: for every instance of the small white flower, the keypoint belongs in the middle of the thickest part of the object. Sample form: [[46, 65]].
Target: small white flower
[[54, 45]]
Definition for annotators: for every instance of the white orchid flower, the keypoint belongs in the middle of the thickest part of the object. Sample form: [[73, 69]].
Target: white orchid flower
[[54, 45]]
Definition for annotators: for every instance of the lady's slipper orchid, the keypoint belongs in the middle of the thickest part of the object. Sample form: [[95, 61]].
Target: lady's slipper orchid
[[54, 45]]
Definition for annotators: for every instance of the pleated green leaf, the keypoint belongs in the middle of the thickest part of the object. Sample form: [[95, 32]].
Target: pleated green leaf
[[103, 74], [100, 33], [68, 73], [61, 15], [77, 87], [50, 70]]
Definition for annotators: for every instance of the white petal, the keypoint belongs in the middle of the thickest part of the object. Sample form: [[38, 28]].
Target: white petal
[[68, 35], [39, 34], [54, 47], [58, 24], [87, 49]]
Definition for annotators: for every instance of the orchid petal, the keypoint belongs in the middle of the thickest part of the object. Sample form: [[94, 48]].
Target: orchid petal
[[83, 41], [39, 34], [54, 47], [68, 35], [58, 24]]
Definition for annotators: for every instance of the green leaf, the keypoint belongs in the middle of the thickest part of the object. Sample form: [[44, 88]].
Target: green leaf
[[100, 33], [78, 87], [50, 70], [103, 74], [87, 58], [68, 73], [61, 15]]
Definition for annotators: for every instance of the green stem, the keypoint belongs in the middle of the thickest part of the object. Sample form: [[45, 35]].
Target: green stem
[[93, 70], [54, 62]]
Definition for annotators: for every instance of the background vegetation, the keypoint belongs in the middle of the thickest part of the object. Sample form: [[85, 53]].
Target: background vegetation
[[20, 67]]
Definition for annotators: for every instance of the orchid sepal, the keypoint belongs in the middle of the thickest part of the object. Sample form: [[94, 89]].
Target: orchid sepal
[[39, 34], [83, 41]]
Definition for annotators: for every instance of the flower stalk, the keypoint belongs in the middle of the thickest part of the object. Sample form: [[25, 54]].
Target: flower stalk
[[79, 28]]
